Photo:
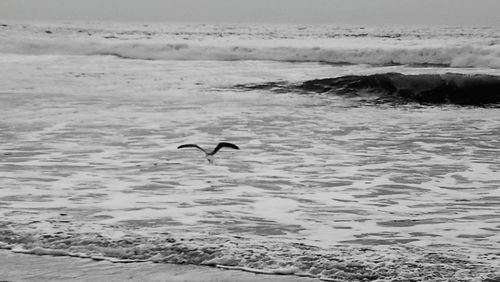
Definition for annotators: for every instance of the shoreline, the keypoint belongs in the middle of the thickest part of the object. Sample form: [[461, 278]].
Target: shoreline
[[27, 267]]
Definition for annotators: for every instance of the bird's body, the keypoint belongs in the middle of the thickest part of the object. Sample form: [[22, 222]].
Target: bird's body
[[209, 155]]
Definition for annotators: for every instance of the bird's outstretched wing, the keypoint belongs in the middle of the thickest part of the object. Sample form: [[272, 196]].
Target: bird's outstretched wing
[[222, 145], [191, 145]]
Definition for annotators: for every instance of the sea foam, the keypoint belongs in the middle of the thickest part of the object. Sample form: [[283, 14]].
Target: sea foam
[[444, 55], [453, 47]]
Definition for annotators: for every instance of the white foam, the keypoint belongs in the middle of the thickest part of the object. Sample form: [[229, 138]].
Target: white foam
[[447, 54], [455, 47]]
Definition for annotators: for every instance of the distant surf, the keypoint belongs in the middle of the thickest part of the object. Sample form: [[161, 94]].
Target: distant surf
[[431, 89], [446, 56], [450, 47]]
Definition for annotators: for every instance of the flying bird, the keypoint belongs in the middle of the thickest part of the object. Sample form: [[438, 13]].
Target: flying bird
[[209, 155]]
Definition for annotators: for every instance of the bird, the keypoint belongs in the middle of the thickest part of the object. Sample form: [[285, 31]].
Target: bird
[[209, 155]]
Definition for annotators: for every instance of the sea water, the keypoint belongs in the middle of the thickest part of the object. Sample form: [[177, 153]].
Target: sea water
[[323, 185]]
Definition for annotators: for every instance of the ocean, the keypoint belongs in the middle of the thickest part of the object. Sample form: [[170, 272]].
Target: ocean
[[366, 153]]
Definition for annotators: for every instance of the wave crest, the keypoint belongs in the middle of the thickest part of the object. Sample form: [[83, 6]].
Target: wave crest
[[449, 88]]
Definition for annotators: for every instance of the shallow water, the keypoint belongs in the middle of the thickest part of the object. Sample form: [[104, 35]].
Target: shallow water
[[89, 166]]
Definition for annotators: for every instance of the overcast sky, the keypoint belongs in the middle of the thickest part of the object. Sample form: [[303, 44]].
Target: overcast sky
[[421, 12]]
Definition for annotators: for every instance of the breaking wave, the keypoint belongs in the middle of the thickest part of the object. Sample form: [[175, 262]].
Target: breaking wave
[[341, 263], [427, 89], [454, 56]]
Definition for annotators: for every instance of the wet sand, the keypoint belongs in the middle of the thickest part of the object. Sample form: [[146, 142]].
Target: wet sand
[[22, 267]]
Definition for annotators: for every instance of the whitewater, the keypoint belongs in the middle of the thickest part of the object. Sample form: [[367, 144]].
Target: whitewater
[[366, 153], [456, 47]]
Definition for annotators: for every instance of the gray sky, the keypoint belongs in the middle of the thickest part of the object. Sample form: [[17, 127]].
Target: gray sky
[[421, 12]]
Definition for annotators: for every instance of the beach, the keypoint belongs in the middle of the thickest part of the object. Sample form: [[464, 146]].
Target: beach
[[22, 267], [365, 153]]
